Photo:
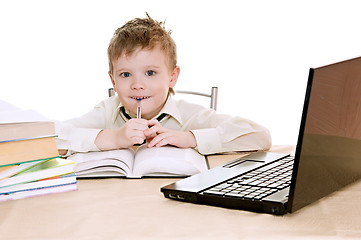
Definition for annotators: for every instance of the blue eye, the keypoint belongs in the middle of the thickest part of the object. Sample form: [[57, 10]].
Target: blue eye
[[125, 74], [150, 73]]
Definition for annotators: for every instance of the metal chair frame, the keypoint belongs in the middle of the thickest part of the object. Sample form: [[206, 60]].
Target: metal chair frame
[[213, 95]]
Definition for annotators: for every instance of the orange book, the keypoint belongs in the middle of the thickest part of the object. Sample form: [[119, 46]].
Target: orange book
[[15, 152]]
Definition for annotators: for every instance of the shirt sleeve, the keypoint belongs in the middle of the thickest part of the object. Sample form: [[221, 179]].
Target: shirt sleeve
[[217, 133], [78, 134], [76, 139]]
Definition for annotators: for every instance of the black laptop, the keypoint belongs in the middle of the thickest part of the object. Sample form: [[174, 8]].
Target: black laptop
[[327, 158]]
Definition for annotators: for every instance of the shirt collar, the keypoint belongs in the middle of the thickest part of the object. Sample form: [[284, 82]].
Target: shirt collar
[[170, 108]]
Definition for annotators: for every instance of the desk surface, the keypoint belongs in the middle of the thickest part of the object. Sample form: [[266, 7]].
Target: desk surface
[[135, 209]]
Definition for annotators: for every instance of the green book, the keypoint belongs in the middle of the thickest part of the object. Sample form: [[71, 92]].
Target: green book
[[44, 169], [8, 171]]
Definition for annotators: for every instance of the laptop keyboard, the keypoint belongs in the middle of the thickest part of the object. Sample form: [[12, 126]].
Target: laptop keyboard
[[258, 183]]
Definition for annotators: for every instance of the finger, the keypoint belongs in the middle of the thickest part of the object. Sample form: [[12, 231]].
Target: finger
[[137, 137], [137, 122], [137, 126], [153, 122], [152, 141], [134, 131], [160, 140], [165, 142], [153, 130], [140, 127], [137, 140]]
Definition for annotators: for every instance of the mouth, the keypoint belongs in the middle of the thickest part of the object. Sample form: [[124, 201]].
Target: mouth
[[139, 98]]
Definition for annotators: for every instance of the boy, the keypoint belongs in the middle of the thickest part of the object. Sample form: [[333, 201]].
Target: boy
[[143, 67]]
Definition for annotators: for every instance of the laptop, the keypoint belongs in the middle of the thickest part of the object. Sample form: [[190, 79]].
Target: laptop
[[327, 157]]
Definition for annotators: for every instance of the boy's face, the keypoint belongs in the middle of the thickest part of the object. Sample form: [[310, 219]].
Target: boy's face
[[144, 74]]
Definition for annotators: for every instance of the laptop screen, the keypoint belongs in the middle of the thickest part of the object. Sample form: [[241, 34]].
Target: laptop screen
[[328, 154]]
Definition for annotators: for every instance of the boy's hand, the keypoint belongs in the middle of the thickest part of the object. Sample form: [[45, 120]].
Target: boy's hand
[[159, 136], [132, 132]]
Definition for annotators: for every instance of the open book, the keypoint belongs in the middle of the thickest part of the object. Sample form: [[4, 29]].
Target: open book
[[155, 162]]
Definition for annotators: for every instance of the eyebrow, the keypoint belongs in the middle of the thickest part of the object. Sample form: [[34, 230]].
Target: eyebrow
[[152, 66], [121, 70], [127, 70]]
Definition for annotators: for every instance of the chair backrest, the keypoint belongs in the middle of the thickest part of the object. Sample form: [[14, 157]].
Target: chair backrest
[[213, 95], [111, 92]]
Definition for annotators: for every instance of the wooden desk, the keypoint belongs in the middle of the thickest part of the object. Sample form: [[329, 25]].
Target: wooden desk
[[135, 209]]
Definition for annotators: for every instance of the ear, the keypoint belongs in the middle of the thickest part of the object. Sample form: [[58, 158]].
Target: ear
[[112, 79], [174, 77]]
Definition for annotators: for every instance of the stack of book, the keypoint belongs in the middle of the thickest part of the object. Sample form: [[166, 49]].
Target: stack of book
[[30, 164]]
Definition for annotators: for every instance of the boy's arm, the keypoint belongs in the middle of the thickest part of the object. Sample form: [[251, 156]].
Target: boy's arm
[[107, 140], [219, 139], [79, 134], [216, 133], [231, 134], [75, 139], [87, 139], [63, 152]]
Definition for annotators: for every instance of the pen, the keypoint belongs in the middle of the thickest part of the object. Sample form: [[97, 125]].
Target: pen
[[139, 110]]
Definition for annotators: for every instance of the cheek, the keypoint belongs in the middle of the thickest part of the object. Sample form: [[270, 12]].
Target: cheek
[[161, 87], [120, 86], [162, 93]]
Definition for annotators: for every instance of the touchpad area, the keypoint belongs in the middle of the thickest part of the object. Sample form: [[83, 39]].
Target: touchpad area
[[254, 158], [242, 162]]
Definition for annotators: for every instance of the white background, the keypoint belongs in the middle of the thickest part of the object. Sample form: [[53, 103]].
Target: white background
[[53, 53]]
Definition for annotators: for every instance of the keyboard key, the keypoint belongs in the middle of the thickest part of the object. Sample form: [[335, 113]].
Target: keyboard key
[[259, 183], [213, 192]]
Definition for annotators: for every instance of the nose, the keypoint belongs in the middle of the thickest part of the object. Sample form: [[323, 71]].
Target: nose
[[137, 83]]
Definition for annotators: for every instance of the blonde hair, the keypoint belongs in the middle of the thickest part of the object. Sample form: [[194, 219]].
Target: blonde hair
[[143, 33]]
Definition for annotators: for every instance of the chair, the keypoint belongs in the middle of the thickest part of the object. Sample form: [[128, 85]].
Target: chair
[[111, 92], [213, 95]]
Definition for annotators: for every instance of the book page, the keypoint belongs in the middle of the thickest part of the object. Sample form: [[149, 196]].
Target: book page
[[167, 160], [19, 116], [107, 164], [5, 106], [120, 161]]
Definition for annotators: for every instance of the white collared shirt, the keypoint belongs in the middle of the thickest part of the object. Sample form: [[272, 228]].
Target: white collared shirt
[[214, 133]]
